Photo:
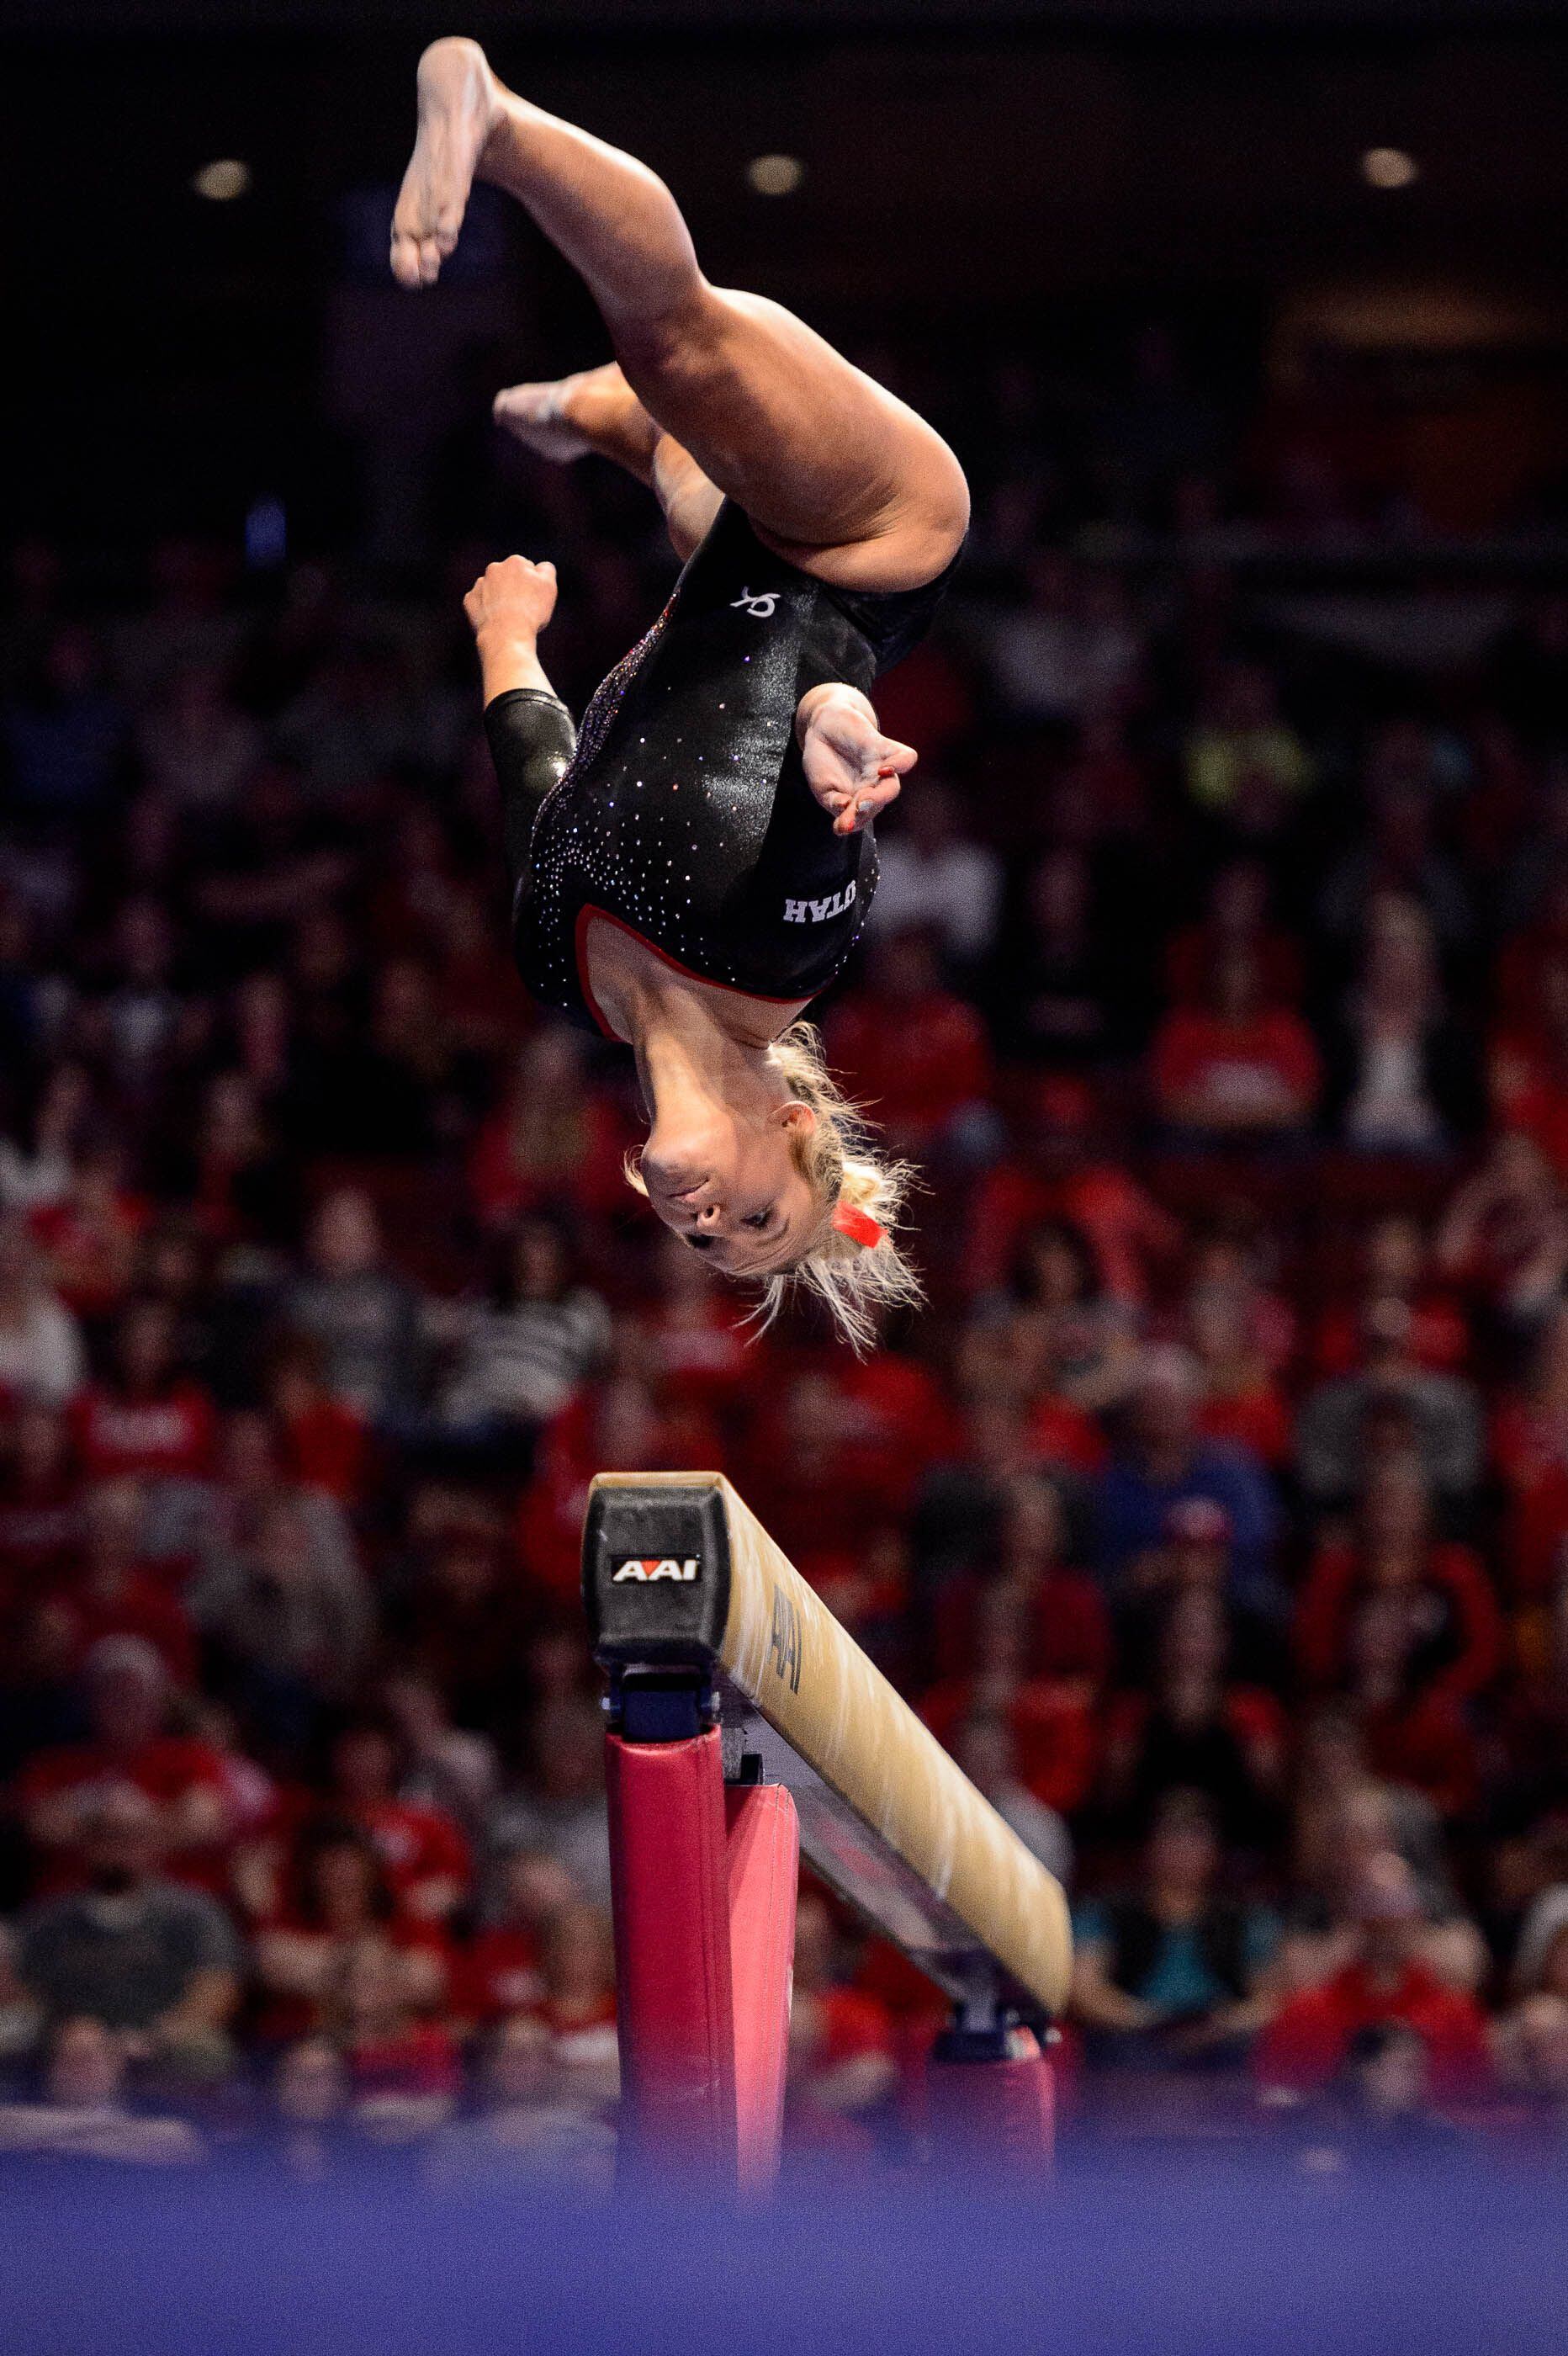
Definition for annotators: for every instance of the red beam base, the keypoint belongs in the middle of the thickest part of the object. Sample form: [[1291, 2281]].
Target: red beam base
[[669, 1880], [991, 2104], [704, 1883], [764, 1876]]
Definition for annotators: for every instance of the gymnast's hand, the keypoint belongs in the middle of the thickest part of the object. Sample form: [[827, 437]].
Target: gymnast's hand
[[851, 767], [512, 599], [507, 607]]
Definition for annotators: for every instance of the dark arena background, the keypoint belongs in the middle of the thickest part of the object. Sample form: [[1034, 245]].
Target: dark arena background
[[1212, 1512]]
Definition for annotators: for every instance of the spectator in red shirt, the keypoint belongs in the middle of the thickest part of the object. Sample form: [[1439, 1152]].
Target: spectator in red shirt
[[1395, 1265], [40, 1516], [1414, 1733], [698, 1329], [626, 1423], [909, 1047], [1235, 918], [108, 1589], [88, 1237], [1238, 1070], [1529, 1069], [404, 2071], [1529, 1446], [552, 1139], [422, 1854], [1307, 2041], [1455, 1626], [577, 2004], [338, 1895], [1342, 1818], [1230, 1253], [1066, 1632], [807, 1442], [1241, 1403], [501, 1970], [1059, 1336], [1058, 1169], [146, 1422], [1051, 1720], [323, 1442], [866, 1588], [900, 1416], [127, 1693]]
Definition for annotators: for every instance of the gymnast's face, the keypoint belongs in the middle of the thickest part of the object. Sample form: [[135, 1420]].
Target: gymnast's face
[[730, 1185]]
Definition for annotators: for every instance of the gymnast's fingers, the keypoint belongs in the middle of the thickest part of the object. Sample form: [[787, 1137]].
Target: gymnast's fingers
[[890, 758], [867, 803]]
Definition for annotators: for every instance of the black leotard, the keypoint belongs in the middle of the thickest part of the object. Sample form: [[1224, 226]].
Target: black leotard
[[684, 813]]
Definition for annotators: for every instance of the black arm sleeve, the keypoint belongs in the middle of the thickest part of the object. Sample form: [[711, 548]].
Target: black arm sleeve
[[533, 739]]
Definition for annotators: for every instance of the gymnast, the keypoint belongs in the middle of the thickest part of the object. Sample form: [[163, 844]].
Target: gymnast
[[697, 864]]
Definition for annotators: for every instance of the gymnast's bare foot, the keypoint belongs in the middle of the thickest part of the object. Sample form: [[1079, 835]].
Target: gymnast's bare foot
[[596, 409], [459, 102]]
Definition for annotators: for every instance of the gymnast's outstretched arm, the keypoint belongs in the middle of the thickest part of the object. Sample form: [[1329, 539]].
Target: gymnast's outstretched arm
[[531, 734]]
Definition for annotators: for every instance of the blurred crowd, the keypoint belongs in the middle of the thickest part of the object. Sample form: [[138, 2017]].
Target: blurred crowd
[[1214, 1512]]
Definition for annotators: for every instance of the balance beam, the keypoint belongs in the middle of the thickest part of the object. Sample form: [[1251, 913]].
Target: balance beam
[[710, 1636]]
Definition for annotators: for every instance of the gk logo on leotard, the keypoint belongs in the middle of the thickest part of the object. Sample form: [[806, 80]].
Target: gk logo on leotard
[[816, 912], [759, 608]]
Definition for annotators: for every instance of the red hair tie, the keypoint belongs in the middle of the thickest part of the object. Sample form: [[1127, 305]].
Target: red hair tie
[[858, 1226]]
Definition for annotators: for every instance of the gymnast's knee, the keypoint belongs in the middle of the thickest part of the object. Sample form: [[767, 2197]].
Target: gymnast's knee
[[677, 332]]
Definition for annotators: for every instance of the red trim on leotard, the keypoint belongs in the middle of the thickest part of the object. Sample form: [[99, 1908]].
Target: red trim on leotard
[[579, 945]]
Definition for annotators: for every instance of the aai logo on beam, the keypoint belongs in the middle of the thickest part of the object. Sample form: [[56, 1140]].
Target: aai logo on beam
[[648, 1568]]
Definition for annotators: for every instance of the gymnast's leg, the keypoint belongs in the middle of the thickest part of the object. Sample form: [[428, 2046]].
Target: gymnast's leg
[[835, 470], [598, 411]]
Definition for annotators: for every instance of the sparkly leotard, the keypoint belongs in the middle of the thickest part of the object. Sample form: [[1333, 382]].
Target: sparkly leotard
[[684, 813]]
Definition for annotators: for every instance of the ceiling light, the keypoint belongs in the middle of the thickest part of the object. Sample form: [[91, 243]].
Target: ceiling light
[[222, 181], [1389, 167], [776, 176]]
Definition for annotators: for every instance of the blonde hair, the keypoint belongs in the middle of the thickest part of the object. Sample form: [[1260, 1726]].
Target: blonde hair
[[837, 1156]]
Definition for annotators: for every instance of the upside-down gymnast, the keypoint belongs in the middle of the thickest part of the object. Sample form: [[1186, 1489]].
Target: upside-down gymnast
[[697, 865]]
